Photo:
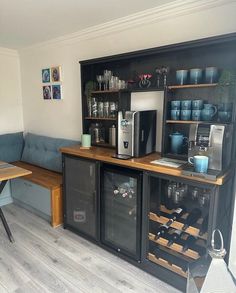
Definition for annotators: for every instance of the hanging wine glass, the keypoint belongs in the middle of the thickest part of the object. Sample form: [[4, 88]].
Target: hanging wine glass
[[99, 80], [158, 72], [164, 70]]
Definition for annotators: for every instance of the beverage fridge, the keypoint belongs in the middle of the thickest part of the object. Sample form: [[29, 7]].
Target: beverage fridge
[[121, 210]]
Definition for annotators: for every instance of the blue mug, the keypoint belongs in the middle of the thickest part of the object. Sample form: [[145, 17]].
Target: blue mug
[[197, 104], [186, 115], [196, 115], [186, 105], [211, 74], [175, 114], [195, 75], [225, 116], [175, 105], [181, 76], [208, 112], [200, 163]]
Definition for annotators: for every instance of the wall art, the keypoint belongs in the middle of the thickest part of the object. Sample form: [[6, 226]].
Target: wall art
[[47, 92], [56, 92], [45, 75], [56, 74]]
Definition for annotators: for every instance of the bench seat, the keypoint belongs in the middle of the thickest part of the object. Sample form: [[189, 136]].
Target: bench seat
[[40, 192]]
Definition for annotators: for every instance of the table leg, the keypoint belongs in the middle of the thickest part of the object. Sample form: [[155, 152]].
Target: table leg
[[4, 221]]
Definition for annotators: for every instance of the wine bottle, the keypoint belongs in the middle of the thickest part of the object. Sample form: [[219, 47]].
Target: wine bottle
[[176, 215], [189, 242], [161, 231], [174, 237], [170, 258], [192, 218], [204, 226]]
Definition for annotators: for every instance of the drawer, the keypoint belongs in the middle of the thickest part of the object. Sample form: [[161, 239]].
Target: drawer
[[32, 194]]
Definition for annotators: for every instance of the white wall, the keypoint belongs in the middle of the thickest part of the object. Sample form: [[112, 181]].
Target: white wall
[[63, 118], [11, 117]]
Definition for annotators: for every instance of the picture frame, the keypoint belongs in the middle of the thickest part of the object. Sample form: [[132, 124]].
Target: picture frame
[[56, 74], [47, 92], [56, 92], [46, 74]]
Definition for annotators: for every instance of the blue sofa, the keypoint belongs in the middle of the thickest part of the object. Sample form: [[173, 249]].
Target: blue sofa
[[41, 155]]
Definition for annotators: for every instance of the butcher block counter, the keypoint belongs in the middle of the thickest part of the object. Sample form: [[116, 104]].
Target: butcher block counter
[[143, 163]]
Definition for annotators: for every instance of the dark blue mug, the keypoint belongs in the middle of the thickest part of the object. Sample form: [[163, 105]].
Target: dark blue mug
[[197, 104], [195, 75], [186, 115], [175, 105], [211, 74], [200, 163], [196, 115], [181, 76], [175, 114], [225, 116], [186, 105]]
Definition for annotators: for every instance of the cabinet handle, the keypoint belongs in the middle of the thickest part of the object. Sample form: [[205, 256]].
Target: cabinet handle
[[94, 201], [91, 170]]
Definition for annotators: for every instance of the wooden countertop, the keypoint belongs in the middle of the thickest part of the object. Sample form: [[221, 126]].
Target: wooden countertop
[[144, 163]]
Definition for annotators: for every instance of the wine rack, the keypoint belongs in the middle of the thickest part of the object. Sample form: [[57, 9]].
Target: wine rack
[[177, 225], [162, 262], [175, 247]]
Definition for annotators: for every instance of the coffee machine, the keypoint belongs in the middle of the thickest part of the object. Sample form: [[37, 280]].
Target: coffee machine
[[213, 141], [136, 135]]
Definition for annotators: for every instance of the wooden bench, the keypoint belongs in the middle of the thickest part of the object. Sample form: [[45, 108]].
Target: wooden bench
[[42, 192]]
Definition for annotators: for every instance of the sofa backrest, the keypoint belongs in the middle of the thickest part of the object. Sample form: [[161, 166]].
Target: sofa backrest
[[11, 146], [43, 151]]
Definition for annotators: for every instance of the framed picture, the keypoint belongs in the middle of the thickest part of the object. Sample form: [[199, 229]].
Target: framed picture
[[46, 75], [56, 74], [56, 92], [47, 92]]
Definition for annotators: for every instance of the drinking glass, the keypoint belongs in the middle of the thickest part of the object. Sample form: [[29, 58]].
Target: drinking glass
[[106, 75], [100, 80]]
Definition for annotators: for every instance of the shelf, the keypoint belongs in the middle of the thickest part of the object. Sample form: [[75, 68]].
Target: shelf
[[165, 264], [175, 247], [177, 225], [185, 122], [187, 86], [105, 92], [99, 118]]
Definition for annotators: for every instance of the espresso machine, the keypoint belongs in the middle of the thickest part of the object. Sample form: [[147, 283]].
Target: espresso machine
[[136, 135], [213, 141]]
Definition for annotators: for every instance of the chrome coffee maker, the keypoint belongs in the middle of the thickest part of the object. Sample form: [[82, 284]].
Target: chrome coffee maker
[[213, 141]]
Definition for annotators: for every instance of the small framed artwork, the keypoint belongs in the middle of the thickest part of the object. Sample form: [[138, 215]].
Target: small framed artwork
[[56, 92], [47, 92], [45, 75], [56, 74]]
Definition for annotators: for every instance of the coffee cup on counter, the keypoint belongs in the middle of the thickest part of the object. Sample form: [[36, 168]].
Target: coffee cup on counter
[[200, 163]]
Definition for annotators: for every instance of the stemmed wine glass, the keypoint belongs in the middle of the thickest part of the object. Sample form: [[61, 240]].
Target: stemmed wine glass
[[100, 80], [158, 72], [106, 75]]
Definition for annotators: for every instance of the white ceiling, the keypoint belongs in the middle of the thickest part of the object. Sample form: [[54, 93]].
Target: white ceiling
[[27, 22]]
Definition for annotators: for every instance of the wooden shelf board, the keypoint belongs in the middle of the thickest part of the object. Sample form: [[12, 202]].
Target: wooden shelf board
[[177, 225], [186, 122], [166, 265], [185, 86], [105, 92], [175, 247], [99, 118]]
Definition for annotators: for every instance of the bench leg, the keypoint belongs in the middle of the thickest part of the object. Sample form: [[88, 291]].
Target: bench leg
[[6, 226]]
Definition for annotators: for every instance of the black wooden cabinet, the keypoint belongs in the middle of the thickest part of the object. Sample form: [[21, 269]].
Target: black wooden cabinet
[[81, 196]]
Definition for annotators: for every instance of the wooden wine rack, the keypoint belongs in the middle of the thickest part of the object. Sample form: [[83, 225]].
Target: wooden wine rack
[[177, 225], [162, 262], [175, 247]]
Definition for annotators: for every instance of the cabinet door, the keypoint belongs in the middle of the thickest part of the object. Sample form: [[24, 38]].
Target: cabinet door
[[80, 195]]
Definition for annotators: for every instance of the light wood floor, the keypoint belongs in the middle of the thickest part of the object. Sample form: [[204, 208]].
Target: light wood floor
[[44, 259]]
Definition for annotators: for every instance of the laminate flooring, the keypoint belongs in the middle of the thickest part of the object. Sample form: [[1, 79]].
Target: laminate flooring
[[44, 259]]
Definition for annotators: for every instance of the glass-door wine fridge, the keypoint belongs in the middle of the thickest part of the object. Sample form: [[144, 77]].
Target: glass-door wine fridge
[[121, 210]]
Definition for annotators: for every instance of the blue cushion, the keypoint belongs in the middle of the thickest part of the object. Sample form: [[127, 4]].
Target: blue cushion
[[43, 151], [11, 146]]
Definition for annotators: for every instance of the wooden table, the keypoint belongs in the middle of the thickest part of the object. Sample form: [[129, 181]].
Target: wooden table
[[8, 171]]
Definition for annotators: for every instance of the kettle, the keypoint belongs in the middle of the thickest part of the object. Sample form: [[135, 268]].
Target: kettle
[[178, 140]]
